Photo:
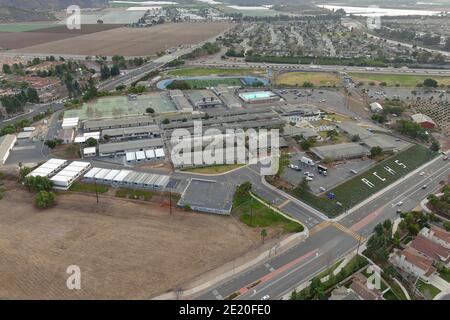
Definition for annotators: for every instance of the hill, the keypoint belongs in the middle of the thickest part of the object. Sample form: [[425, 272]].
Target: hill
[[11, 14], [44, 5]]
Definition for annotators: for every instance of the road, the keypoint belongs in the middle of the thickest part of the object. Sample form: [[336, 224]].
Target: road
[[329, 241], [34, 110], [325, 68]]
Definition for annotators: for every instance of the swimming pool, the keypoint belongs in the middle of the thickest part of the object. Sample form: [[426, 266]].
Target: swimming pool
[[257, 96]]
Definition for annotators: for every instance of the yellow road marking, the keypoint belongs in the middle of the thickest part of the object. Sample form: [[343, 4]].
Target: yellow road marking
[[319, 227], [284, 203], [348, 231]]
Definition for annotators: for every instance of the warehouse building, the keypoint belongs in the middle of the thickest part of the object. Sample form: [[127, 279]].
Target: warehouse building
[[120, 148], [67, 176], [127, 178], [48, 168], [70, 123], [96, 125], [208, 196], [382, 141], [352, 129], [129, 133], [85, 136], [228, 97], [204, 99], [7, 142], [89, 152], [341, 151]]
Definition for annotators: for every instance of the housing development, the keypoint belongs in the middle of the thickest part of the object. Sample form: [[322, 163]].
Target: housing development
[[203, 150]]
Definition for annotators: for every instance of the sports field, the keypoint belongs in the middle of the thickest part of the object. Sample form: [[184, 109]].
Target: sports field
[[316, 78], [109, 107], [356, 190], [193, 72], [200, 84], [391, 80]]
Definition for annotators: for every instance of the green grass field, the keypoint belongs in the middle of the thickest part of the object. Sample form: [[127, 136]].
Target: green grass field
[[402, 80], [134, 194], [428, 290], [355, 190], [193, 72], [256, 215], [23, 27], [323, 79], [201, 84]]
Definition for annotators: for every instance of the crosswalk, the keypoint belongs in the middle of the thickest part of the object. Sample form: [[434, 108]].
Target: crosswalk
[[326, 224]]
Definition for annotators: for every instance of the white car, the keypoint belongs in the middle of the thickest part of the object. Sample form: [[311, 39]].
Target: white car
[[266, 297], [422, 173], [400, 203], [309, 179]]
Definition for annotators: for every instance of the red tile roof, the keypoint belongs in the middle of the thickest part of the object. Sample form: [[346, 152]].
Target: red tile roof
[[441, 233], [359, 285], [415, 258], [430, 248]]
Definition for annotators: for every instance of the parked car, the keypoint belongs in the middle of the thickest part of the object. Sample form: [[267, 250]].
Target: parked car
[[309, 178], [266, 297], [424, 186]]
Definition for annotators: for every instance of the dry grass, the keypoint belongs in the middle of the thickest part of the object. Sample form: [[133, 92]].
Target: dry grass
[[316, 78], [126, 250]]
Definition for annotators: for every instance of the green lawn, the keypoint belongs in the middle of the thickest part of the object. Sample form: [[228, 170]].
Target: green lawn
[[257, 215], [201, 84], [215, 169], [329, 270], [403, 80], [445, 275], [389, 295], [428, 290], [23, 27], [355, 190], [88, 187], [134, 194], [193, 72]]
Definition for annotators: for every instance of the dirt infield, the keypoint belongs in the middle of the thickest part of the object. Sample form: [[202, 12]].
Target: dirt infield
[[132, 41], [126, 250], [17, 40]]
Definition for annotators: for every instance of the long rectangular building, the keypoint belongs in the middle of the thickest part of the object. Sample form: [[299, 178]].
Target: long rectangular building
[[95, 125], [150, 131], [120, 148]]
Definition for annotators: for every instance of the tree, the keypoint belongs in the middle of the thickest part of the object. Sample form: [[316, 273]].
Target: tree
[[91, 142], [165, 121], [150, 110], [6, 69], [430, 83], [376, 152], [308, 143], [44, 199], [23, 172], [244, 188], [263, 234], [356, 138], [435, 146], [51, 143], [38, 183]]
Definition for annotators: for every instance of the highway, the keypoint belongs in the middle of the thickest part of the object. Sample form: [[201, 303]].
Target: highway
[[35, 110], [329, 241], [327, 68]]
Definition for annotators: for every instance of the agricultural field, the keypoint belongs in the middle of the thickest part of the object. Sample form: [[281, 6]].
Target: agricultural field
[[193, 72], [391, 80], [132, 41], [320, 79], [355, 190], [125, 249], [14, 38]]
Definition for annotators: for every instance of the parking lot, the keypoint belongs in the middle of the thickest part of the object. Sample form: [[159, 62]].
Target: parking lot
[[336, 174], [322, 98], [406, 94]]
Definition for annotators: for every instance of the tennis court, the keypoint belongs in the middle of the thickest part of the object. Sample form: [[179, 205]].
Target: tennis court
[[109, 107]]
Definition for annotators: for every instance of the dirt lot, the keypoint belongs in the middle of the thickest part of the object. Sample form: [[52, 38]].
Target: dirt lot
[[125, 249], [132, 41], [17, 40]]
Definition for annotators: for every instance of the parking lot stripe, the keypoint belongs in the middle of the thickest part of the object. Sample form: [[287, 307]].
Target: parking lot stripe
[[284, 203]]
